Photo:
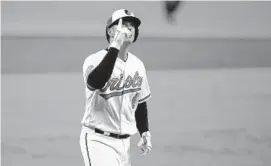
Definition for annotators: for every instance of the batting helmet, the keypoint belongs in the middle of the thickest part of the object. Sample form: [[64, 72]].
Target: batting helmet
[[126, 16]]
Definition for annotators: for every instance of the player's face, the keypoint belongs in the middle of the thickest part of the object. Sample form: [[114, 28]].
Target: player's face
[[130, 26]]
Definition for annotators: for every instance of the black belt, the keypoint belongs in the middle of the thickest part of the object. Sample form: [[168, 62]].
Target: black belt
[[118, 136]]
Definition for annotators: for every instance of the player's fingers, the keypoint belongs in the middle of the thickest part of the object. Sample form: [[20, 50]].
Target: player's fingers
[[142, 149], [141, 142], [143, 154], [146, 151], [145, 139], [120, 24], [149, 144]]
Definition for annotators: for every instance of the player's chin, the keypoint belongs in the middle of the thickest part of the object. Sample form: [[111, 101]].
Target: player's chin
[[128, 41]]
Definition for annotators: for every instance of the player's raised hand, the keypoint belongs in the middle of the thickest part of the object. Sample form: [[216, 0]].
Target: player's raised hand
[[119, 24], [120, 35]]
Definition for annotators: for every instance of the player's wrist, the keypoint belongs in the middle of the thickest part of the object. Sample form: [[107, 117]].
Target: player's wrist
[[146, 134], [115, 44], [141, 131]]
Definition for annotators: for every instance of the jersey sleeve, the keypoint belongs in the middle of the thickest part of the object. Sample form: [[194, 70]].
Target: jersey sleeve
[[90, 63], [145, 92]]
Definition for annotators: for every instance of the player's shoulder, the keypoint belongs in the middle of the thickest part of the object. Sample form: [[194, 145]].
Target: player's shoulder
[[136, 59], [95, 57], [98, 54]]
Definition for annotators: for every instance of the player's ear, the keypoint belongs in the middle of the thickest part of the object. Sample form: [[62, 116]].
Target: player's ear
[[110, 31]]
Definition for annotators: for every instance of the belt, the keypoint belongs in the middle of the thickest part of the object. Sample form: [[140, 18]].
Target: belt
[[118, 136]]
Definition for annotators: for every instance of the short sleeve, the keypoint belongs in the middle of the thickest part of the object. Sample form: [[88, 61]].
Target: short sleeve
[[90, 63], [145, 92]]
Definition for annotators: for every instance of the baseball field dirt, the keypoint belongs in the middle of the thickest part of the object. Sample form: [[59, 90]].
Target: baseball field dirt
[[210, 117]]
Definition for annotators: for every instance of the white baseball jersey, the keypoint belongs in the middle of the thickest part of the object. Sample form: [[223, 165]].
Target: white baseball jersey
[[112, 108]]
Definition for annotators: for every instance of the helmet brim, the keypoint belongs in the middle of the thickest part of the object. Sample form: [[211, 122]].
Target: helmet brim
[[133, 19]]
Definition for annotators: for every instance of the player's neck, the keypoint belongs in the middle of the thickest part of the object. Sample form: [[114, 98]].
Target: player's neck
[[123, 52]]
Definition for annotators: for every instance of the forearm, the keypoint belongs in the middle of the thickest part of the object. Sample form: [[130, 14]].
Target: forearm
[[141, 116], [101, 74]]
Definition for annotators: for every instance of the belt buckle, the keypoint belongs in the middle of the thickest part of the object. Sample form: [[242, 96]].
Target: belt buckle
[[106, 133]]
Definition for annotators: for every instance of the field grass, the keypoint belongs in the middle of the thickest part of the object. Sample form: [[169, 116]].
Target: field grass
[[218, 117]]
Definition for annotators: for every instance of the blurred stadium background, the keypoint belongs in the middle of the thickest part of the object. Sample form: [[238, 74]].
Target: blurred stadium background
[[211, 65]]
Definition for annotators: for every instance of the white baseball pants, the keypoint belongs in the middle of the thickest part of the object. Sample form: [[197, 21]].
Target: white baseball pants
[[101, 150]]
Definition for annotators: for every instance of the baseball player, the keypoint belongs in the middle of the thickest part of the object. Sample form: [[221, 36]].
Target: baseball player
[[116, 90]]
